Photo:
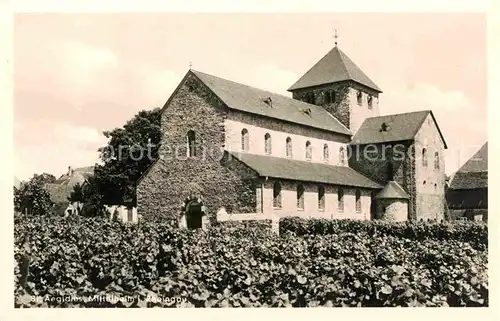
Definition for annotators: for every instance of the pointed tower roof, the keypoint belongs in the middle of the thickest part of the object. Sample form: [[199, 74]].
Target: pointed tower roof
[[392, 190], [335, 66]]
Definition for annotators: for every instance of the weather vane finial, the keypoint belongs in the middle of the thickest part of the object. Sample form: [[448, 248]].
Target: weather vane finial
[[335, 36], [190, 65]]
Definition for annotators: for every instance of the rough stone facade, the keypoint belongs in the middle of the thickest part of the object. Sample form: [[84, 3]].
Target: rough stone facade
[[258, 127], [175, 177], [345, 106], [311, 208], [394, 210], [429, 180], [374, 161], [425, 185]]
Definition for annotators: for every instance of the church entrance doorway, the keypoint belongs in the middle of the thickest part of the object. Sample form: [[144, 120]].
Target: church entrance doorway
[[194, 213]]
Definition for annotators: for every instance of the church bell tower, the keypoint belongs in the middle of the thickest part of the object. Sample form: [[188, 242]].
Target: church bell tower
[[336, 83]]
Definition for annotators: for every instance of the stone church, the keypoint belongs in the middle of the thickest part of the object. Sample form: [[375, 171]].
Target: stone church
[[325, 152]]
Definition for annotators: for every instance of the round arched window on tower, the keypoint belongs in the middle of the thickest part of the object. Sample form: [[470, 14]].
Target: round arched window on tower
[[370, 101], [328, 98], [359, 97]]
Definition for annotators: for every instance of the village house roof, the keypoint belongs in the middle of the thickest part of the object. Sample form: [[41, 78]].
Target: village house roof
[[478, 162], [284, 168], [62, 187], [392, 190], [392, 128], [469, 180], [474, 173], [469, 185], [257, 101], [335, 66]]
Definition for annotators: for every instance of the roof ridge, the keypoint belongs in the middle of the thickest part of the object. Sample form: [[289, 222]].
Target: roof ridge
[[307, 171], [236, 153], [311, 68], [342, 54], [340, 123], [220, 86], [247, 85], [399, 114]]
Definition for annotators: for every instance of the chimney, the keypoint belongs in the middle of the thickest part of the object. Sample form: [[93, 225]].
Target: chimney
[[69, 170]]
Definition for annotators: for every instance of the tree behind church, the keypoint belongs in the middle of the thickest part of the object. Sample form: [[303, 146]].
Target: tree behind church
[[116, 177]]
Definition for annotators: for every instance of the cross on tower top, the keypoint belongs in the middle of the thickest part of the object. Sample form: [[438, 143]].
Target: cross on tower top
[[335, 36]]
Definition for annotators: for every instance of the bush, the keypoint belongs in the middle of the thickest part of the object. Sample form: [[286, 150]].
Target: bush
[[229, 266], [475, 233]]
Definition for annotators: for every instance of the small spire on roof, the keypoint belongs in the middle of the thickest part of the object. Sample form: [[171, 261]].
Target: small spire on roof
[[190, 65], [335, 36]]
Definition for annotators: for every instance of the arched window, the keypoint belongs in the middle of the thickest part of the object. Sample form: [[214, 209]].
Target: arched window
[[244, 140], [191, 137], [340, 199], [288, 147], [311, 98], [424, 157], [328, 98], [267, 139], [308, 150], [277, 194], [390, 171], [359, 97], [326, 153], [370, 101], [436, 160], [342, 156], [358, 201], [321, 198], [300, 196]]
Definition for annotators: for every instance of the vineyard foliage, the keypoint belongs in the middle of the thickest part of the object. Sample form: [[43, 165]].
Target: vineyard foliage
[[474, 233], [340, 263]]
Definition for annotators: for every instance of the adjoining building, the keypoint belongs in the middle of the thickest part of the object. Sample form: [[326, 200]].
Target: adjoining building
[[467, 194]]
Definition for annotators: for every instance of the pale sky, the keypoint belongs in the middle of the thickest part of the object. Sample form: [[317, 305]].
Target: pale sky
[[76, 75]]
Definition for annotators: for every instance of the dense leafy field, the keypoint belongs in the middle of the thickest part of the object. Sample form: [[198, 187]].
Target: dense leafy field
[[155, 265], [474, 233]]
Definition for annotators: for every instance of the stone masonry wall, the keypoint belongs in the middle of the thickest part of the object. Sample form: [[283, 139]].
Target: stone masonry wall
[[430, 181], [345, 107], [219, 181], [373, 161]]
